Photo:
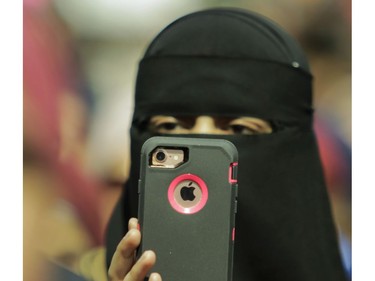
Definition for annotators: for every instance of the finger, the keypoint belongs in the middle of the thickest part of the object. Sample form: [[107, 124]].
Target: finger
[[123, 258], [155, 277], [141, 267], [133, 224]]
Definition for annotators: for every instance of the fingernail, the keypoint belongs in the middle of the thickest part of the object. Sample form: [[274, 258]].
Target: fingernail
[[145, 255], [154, 277], [132, 222]]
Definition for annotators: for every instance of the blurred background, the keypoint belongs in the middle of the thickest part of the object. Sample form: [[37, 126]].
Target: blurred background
[[80, 64]]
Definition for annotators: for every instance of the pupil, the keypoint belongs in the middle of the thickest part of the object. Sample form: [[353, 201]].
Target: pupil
[[169, 126], [237, 129]]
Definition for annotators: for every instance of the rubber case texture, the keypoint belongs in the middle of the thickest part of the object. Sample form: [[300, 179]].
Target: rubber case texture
[[195, 246]]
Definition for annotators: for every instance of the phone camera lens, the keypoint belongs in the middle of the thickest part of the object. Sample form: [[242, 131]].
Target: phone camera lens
[[160, 156]]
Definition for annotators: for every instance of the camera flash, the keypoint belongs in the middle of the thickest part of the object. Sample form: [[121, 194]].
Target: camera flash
[[175, 157]]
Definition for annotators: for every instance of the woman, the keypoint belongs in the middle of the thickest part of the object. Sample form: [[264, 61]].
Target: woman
[[233, 74]]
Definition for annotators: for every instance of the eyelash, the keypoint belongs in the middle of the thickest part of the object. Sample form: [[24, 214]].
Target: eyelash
[[239, 129], [167, 126]]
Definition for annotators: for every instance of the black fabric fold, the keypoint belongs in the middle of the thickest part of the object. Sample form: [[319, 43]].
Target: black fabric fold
[[261, 89]]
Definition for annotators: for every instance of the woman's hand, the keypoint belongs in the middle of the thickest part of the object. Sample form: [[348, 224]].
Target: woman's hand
[[123, 265]]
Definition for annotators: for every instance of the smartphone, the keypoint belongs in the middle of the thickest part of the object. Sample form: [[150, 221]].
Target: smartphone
[[187, 206]]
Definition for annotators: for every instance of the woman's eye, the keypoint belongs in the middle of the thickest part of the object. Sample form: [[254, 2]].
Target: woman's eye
[[249, 126], [240, 129], [164, 124], [169, 126]]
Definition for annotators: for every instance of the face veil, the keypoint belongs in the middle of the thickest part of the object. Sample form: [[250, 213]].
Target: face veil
[[229, 62]]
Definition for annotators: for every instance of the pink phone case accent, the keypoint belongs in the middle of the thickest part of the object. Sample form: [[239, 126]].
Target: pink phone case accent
[[232, 176], [194, 209]]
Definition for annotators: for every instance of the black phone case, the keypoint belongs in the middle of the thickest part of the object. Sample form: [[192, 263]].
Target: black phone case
[[196, 246]]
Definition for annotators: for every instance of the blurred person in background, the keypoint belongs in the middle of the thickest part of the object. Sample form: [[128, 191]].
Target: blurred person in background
[[61, 203], [58, 225], [326, 37], [225, 64], [336, 160]]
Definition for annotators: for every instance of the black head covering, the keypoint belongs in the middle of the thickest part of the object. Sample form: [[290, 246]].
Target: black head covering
[[229, 62]]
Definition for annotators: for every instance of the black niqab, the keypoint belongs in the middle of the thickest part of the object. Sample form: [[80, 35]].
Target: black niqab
[[229, 62]]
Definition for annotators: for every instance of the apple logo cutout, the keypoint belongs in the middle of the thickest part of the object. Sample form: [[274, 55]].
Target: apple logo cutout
[[187, 194]]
